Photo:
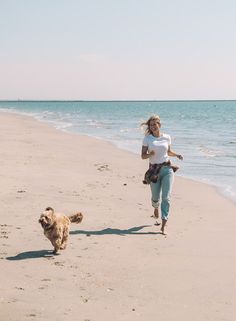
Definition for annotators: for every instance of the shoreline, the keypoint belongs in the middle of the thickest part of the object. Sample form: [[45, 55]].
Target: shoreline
[[220, 189], [117, 264]]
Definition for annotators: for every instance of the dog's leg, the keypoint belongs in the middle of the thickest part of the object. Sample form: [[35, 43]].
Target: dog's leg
[[64, 239], [57, 244]]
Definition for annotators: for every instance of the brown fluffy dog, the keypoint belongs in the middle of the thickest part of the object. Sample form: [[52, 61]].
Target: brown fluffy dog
[[56, 227]]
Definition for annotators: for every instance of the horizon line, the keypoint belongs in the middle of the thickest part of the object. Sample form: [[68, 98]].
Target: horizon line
[[110, 100]]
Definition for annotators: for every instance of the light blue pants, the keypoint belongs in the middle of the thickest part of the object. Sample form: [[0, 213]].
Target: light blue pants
[[162, 189]]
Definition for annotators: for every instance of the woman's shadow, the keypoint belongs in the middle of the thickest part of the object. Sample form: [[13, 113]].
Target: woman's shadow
[[115, 231]]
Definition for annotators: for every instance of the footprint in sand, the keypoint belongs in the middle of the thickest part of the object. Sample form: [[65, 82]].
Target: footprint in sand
[[102, 167], [4, 244], [12, 301], [85, 300], [3, 231], [74, 267], [3, 255], [59, 263], [4, 235], [42, 287]]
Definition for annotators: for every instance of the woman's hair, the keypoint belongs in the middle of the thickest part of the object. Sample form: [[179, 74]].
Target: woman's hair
[[147, 123]]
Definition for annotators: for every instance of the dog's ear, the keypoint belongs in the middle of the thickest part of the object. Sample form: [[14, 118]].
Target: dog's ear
[[49, 209]]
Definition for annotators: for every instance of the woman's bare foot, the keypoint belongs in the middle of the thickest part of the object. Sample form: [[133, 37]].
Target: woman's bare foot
[[163, 231], [163, 225], [156, 216]]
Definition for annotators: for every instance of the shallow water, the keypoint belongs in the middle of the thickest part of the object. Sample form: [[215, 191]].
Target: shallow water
[[204, 132]]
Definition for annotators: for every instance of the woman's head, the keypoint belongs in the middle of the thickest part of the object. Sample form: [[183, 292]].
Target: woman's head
[[151, 124]]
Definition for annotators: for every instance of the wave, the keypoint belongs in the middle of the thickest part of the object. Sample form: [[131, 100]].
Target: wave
[[210, 152]]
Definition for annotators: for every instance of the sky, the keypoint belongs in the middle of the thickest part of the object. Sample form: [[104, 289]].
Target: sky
[[117, 49]]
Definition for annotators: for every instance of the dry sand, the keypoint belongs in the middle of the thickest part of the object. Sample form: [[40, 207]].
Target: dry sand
[[117, 265]]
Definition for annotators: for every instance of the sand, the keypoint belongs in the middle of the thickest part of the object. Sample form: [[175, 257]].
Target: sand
[[117, 265]]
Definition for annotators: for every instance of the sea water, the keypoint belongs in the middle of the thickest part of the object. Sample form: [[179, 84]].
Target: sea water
[[204, 132]]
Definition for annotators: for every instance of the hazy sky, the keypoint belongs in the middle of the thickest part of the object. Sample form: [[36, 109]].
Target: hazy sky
[[117, 49]]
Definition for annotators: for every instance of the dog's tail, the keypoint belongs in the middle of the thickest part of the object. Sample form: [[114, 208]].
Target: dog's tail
[[76, 218]]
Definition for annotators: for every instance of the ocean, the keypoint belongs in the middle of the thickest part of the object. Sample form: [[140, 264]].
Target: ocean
[[204, 132]]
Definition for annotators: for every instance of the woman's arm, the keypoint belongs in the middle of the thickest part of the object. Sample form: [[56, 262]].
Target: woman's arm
[[171, 153], [145, 154]]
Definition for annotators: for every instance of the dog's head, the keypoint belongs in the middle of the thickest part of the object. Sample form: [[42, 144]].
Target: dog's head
[[47, 218]]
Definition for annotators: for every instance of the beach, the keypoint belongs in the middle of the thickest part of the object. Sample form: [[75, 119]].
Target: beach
[[117, 264]]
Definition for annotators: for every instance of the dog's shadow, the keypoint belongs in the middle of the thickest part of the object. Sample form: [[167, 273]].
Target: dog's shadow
[[31, 255], [115, 231]]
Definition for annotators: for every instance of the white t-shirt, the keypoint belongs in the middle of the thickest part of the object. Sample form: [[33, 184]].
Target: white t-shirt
[[159, 145]]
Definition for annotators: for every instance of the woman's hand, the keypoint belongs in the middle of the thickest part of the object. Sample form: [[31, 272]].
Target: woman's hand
[[145, 154], [179, 157], [152, 153]]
